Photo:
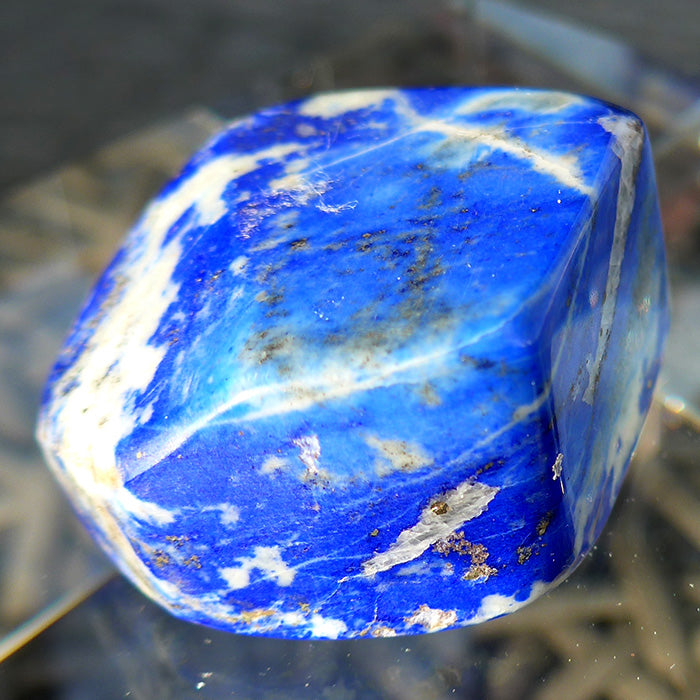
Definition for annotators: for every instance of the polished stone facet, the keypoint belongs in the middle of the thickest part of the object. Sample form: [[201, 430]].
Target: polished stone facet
[[373, 364]]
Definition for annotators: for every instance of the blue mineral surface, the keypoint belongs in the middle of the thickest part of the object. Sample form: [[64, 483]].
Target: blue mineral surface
[[374, 363]]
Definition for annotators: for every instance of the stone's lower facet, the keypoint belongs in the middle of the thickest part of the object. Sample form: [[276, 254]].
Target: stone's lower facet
[[373, 364]]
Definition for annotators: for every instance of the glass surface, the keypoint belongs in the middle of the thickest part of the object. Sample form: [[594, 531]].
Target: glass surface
[[626, 624]]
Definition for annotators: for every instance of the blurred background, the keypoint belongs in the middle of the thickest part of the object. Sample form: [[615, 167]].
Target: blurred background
[[76, 74], [101, 101]]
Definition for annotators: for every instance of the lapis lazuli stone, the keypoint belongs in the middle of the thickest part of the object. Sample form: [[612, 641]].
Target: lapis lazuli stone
[[374, 363]]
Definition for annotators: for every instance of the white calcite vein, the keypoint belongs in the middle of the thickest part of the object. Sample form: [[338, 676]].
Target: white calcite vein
[[628, 139], [466, 502]]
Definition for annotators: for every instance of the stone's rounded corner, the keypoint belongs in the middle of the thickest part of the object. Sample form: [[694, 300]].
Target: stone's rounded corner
[[373, 364]]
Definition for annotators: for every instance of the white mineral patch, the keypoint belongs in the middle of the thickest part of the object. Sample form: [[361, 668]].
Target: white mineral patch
[[466, 502], [557, 468], [267, 560], [228, 513], [239, 265], [327, 627], [305, 130], [269, 620], [332, 105], [273, 464], [309, 453], [289, 619], [145, 414], [432, 619], [398, 455], [496, 605]]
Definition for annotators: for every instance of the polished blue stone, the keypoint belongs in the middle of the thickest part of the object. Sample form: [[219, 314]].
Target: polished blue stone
[[374, 363]]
